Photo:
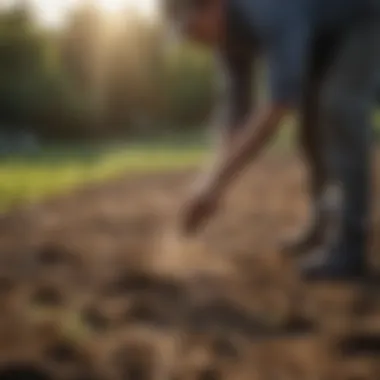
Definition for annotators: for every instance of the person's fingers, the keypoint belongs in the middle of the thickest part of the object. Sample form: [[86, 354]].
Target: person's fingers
[[196, 214], [198, 219], [193, 219], [187, 219]]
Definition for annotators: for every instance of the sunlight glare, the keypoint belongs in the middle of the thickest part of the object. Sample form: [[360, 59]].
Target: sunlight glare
[[52, 12], [146, 7]]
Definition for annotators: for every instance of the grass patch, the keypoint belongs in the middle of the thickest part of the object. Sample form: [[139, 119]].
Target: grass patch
[[30, 178]]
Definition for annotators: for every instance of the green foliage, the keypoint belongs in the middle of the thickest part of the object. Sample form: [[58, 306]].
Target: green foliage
[[99, 77], [60, 168], [189, 81], [33, 90]]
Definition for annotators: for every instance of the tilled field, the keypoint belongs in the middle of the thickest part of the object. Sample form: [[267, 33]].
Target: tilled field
[[97, 285]]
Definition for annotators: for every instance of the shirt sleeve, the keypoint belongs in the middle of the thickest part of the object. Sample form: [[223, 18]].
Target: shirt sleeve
[[287, 61]]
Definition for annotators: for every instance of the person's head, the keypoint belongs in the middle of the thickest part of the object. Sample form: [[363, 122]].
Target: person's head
[[202, 21]]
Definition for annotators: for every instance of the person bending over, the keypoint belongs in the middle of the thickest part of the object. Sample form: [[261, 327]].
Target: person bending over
[[323, 58]]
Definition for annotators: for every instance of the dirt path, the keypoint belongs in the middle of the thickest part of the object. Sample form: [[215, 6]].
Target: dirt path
[[97, 286]]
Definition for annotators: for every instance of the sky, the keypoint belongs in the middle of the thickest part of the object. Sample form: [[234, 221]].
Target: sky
[[52, 12]]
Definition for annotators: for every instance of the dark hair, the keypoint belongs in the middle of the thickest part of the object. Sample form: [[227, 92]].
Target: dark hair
[[177, 8]]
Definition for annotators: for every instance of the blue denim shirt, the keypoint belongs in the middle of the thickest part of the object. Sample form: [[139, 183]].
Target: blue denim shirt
[[284, 30]]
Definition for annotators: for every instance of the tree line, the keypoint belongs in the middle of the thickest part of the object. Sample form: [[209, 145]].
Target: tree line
[[99, 76]]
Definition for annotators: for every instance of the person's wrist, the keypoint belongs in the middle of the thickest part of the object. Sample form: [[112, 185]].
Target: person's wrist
[[214, 187], [208, 185]]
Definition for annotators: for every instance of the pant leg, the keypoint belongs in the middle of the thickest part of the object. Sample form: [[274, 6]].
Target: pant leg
[[347, 102], [309, 139], [310, 134]]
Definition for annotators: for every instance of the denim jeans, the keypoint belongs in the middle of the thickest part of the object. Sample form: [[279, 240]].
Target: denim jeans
[[336, 130]]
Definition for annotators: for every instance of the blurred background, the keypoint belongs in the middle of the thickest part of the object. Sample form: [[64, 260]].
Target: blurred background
[[101, 116], [92, 87]]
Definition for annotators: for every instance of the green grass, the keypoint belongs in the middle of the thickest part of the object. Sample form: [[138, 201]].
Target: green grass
[[30, 178]]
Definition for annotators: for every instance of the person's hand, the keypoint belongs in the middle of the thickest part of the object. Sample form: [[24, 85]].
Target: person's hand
[[199, 208]]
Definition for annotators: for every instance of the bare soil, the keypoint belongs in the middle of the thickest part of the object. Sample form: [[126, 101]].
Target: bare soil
[[98, 285]]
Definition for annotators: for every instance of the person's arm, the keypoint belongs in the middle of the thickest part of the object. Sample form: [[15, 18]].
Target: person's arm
[[234, 103], [204, 202], [286, 57], [235, 97], [260, 128], [286, 60]]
